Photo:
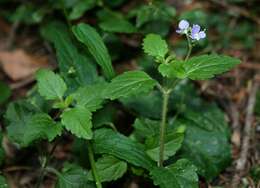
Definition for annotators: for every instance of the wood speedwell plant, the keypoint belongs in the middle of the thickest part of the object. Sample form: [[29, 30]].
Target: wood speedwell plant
[[67, 103]]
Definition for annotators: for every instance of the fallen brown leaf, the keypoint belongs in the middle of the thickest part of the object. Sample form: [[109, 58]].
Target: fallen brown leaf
[[19, 65]]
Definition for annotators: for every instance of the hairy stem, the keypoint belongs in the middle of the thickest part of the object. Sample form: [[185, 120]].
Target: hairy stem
[[166, 95], [93, 165], [189, 48]]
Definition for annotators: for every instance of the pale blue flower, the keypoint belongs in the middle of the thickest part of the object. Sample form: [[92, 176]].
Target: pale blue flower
[[183, 27], [196, 33]]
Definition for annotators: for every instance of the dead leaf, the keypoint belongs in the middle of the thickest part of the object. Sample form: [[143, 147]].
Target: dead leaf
[[18, 64]]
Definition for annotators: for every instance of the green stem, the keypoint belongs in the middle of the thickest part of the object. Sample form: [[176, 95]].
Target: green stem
[[189, 48], [93, 165], [166, 95]]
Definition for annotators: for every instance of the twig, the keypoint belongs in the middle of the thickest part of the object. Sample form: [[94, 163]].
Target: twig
[[241, 162]]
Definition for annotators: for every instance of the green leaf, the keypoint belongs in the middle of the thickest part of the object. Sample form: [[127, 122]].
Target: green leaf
[[75, 67], [78, 121], [32, 128], [173, 70], [206, 142], [129, 83], [172, 144], [155, 46], [109, 18], [207, 66], [5, 92], [3, 182], [109, 168], [80, 8], [90, 96], [144, 128], [72, 176], [108, 142], [2, 151], [89, 37], [50, 85], [181, 174]]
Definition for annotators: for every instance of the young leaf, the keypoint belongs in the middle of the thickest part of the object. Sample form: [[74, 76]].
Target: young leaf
[[78, 121], [155, 46], [181, 174], [80, 8], [90, 96], [32, 128], [89, 36], [72, 176], [109, 168], [129, 83], [207, 66], [173, 70], [50, 85], [172, 144], [108, 142]]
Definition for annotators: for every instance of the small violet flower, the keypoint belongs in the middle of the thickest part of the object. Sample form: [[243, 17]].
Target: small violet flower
[[183, 27], [193, 32], [196, 33]]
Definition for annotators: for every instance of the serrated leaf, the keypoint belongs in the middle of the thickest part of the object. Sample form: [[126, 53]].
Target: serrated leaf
[[144, 128], [173, 70], [72, 176], [76, 68], [108, 142], [207, 66], [78, 121], [89, 37], [3, 182], [155, 46], [172, 144], [181, 174], [109, 168], [50, 85], [32, 128], [90, 96], [129, 83]]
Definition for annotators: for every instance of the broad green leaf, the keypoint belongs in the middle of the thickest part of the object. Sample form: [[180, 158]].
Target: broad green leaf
[[3, 182], [172, 144], [109, 18], [129, 83], [207, 66], [155, 46], [80, 8], [78, 121], [144, 128], [89, 37], [173, 70], [76, 68], [181, 174], [32, 128], [206, 142], [148, 105], [50, 85], [109, 168], [107, 141], [72, 176], [90, 96], [5, 92]]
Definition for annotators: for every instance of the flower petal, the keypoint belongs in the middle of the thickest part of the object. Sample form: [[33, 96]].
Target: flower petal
[[202, 34], [195, 29], [184, 24]]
